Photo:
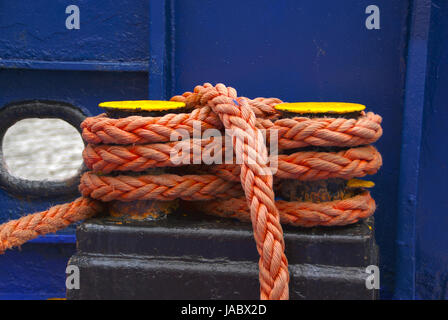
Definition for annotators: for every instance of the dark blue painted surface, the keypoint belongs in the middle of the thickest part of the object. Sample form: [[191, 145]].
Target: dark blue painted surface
[[431, 223], [411, 148], [36, 271], [41, 59], [109, 31], [294, 50]]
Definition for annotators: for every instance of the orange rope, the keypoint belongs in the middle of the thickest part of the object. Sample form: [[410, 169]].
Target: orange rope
[[303, 214], [328, 132], [257, 181], [134, 130], [141, 143], [292, 133], [17, 232], [311, 165], [156, 187]]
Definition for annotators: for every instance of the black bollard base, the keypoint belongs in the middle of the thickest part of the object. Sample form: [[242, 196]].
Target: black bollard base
[[202, 257]]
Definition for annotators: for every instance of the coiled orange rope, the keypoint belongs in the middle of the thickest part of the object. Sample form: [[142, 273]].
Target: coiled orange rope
[[140, 143]]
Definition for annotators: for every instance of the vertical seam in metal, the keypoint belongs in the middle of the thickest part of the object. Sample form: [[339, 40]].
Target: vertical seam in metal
[[157, 73], [171, 45], [414, 100]]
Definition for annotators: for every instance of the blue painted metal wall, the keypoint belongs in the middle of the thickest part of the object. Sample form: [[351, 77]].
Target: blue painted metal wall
[[306, 51], [106, 59], [431, 223], [294, 50]]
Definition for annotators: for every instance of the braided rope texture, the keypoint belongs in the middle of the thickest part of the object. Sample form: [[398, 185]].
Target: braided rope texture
[[257, 182], [17, 232], [139, 144], [303, 214], [354, 162]]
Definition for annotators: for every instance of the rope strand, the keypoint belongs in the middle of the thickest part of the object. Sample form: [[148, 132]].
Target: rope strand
[[16, 232]]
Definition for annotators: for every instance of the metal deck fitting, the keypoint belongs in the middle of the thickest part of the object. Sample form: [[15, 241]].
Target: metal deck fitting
[[194, 256]]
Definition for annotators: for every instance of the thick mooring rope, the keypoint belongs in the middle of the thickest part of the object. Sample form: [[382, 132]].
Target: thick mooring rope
[[138, 143]]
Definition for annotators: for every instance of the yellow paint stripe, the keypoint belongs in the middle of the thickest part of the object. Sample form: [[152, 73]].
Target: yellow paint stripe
[[320, 107], [358, 183], [144, 105]]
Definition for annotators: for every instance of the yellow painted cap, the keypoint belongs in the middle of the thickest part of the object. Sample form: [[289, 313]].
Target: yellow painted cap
[[320, 107], [358, 183], [143, 105]]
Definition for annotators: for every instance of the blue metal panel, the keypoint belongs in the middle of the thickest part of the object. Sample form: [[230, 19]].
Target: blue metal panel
[[37, 271], [411, 148], [75, 66], [431, 222], [294, 50], [109, 31], [41, 59], [159, 39], [306, 51]]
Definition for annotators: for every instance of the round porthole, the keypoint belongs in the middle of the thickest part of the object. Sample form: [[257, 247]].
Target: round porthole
[[41, 149]]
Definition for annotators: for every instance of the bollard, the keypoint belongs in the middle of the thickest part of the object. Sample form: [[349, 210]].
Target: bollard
[[149, 209], [189, 255], [319, 190]]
